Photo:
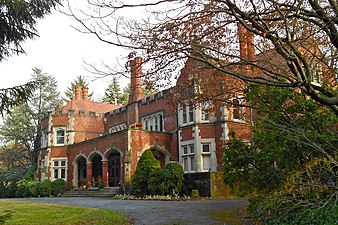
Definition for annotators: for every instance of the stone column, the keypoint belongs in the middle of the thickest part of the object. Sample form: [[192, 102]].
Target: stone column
[[105, 173], [89, 174]]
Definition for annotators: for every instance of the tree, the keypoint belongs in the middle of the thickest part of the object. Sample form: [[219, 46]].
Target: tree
[[292, 159], [291, 131], [146, 164], [81, 82], [113, 94], [21, 132], [17, 24], [295, 41]]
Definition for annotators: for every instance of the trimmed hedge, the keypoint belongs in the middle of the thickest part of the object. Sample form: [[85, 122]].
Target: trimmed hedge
[[58, 187]]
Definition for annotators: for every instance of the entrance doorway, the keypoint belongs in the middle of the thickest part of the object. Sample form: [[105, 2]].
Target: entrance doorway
[[81, 171], [97, 170], [114, 169]]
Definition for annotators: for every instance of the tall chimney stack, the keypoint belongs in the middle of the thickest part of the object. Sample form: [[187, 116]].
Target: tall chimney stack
[[246, 43], [85, 94], [77, 93], [136, 80]]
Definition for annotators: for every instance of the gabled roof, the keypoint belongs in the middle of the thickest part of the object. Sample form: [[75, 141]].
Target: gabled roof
[[97, 107]]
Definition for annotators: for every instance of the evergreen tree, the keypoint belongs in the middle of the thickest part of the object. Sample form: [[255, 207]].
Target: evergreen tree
[[113, 94], [21, 129], [81, 82]]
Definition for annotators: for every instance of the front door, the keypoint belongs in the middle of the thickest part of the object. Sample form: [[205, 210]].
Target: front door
[[114, 168]]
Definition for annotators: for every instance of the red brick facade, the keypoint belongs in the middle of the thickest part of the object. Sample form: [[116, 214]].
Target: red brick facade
[[88, 143]]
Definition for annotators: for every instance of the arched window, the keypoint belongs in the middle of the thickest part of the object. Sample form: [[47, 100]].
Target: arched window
[[236, 109]]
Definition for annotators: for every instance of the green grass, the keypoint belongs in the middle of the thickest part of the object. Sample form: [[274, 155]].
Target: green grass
[[43, 213], [226, 216]]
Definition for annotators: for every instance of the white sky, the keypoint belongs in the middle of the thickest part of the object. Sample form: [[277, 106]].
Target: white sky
[[60, 51]]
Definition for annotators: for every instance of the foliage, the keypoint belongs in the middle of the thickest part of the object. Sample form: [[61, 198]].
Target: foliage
[[195, 193], [45, 213], [113, 94], [12, 97], [58, 187], [292, 130], [146, 164], [18, 21], [21, 128], [81, 82], [45, 188]]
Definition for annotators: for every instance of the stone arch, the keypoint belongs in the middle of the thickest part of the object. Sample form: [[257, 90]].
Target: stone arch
[[80, 170], [113, 162], [160, 153], [95, 159]]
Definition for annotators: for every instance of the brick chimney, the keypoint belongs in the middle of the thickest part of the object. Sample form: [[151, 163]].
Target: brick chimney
[[246, 43], [136, 80], [77, 93], [85, 94]]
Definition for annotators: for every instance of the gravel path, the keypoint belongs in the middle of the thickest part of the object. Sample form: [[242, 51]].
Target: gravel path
[[150, 212]]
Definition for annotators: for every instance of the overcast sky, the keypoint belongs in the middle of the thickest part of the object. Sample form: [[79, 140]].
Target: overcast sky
[[60, 51]]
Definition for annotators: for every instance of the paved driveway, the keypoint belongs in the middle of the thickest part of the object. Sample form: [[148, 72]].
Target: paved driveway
[[148, 212]]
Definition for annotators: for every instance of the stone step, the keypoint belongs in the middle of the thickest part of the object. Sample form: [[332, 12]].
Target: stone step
[[93, 192]]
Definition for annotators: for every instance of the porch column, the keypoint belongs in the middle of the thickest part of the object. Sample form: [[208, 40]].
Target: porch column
[[89, 174], [105, 173]]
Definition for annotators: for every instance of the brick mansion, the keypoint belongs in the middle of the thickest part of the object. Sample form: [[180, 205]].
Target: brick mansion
[[86, 142]]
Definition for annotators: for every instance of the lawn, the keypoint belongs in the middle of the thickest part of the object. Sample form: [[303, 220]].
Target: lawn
[[43, 213]]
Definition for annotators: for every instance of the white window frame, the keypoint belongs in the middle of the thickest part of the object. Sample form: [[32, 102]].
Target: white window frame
[[116, 128], [187, 114], [153, 122], [188, 157], [55, 137], [205, 155], [59, 167]]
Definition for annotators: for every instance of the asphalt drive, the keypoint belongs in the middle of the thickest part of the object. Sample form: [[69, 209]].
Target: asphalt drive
[[151, 212]]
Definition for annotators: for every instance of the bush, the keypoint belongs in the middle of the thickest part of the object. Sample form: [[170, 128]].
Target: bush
[[146, 164], [21, 188], [195, 193], [173, 178], [32, 188], [58, 187], [45, 188]]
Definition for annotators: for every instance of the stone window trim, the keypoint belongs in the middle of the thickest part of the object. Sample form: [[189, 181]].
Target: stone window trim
[[208, 155], [153, 122], [188, 157], [187, 114], [59, 136], [237, 109], [59, 168], [117, 128]]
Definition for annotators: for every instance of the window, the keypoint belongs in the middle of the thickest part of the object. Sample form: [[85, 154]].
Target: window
[[206, 156], [60, 137], [153, 122], [237, 110], [191, 113], [188, 114], [188, 158], [59, 168], [204, 111], [117, 128]]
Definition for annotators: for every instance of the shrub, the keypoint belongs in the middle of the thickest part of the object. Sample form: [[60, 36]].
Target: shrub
[[58, 187], [146, 164], [195, 193], [32, 188], [173, 178], [45, 188], [21, 188]]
